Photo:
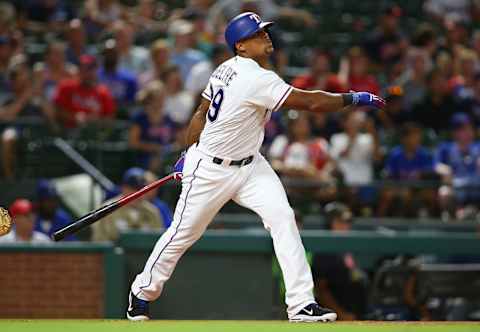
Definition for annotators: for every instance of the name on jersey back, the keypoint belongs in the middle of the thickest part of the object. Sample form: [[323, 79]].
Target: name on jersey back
[[225, 74]]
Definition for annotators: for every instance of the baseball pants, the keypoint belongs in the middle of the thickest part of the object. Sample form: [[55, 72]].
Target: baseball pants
[[206, 187]]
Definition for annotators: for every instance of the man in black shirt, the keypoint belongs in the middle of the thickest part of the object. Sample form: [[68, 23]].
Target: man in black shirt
[[339, 283]]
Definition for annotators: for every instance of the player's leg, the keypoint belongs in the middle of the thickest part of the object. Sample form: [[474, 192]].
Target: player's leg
[[205, 189], [263, 193]]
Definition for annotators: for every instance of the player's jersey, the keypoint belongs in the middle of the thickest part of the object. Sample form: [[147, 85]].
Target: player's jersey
[[242, 96]]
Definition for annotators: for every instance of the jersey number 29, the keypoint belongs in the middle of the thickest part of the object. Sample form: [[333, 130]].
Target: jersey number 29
[[215, 105]]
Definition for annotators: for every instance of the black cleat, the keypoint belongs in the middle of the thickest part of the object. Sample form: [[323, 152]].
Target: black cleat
[[137, 309], [314, 313]]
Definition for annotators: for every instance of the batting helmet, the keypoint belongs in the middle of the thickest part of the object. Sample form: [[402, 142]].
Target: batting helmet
[[243, 26]]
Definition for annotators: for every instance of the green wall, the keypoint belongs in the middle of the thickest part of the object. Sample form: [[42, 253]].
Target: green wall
[[228, 274]]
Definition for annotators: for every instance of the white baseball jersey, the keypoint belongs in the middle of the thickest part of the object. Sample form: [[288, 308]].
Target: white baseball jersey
[[242, 96]]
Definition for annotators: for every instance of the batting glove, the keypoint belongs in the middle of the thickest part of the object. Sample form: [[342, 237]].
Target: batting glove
[[178, 167], [367, 99]]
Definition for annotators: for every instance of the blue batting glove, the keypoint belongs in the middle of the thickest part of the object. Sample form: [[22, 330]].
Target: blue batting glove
[[178, 167], [367, 99]]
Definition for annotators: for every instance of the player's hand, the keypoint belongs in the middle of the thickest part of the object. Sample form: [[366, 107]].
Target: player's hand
[[368, 99], [178, 167]]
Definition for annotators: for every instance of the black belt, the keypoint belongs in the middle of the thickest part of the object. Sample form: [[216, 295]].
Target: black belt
[[241, 162]]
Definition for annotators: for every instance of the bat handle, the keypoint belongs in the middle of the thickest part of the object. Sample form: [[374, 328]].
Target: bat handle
[[98, 214], [83, 222]]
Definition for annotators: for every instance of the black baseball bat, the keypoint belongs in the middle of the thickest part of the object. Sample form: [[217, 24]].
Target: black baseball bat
[[103, 211]]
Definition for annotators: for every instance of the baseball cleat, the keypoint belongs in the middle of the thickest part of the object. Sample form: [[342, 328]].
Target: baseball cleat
[[137, 308], [314, 313]]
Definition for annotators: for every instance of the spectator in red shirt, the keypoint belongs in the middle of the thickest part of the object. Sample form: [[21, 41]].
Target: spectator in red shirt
[[354, 72], [320, 76], [83, 100]]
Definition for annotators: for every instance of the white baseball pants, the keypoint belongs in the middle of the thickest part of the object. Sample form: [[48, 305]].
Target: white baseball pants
[[206, 187]]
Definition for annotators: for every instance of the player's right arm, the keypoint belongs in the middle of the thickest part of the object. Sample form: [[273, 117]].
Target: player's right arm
[[197, 122], [322, 101]]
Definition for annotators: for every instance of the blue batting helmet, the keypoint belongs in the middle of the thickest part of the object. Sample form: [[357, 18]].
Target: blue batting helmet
[[243, 26]]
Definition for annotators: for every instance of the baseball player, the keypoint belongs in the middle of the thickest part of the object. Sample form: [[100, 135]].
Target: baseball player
[[223, 163]]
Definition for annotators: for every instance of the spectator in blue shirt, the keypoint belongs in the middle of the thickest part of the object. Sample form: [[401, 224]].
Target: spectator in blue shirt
[[121, 82], [183, 53], [162, 207], [151, 132], [408, 162], [49, 215], [461, 157]]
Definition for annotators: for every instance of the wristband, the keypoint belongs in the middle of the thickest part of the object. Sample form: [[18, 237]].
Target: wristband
[[347, 99]]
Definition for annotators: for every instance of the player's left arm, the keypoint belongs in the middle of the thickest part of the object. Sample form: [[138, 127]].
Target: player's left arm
[[322, 101], [197, 123]]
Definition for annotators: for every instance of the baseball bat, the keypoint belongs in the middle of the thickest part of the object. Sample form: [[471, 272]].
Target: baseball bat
[[103, 211]]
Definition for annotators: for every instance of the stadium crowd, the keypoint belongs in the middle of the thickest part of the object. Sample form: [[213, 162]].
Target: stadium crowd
[[96, 62]]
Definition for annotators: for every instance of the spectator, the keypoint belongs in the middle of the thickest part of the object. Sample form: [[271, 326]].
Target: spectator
[[44, 15], [121, 83], [54, 69], [179, 102], [471, 105], [6, 51], [456, 36], [152, 197], [23, 102], [395, 113], [100, 15], [408, 163], [199, 75], [76, 42], [50, 216], [299, 156], [476, 43], [320, 76], [437, 107], [354, 72], [151, 131], [462, 85], [386, 42], [132, 58], [147, 17], [415, 83], [183, 53], [82, 100], [24, 98], [444, 64], [355, 151], [462, 158], [8, 16], [203, 36], [159, 53], [21, 212], [137, 215], [225, 10], [425, 39], [339, 282], [448, 9]]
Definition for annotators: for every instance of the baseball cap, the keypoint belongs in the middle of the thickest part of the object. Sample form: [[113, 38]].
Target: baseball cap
[[393, 10], [20, 207], [88, 60], [337, 210], [181, 27], [4, 40], [134, 177], [46, 190], [459, 120]]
